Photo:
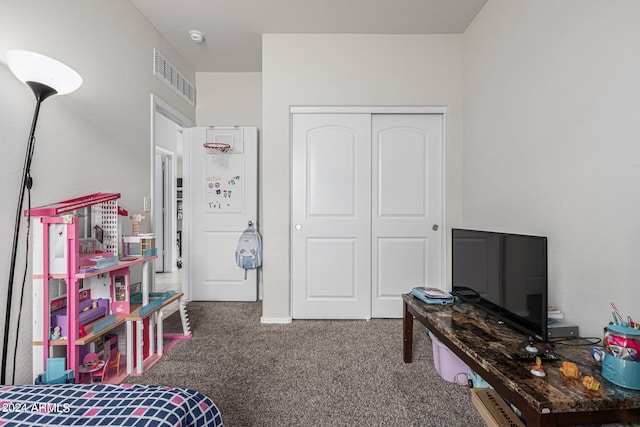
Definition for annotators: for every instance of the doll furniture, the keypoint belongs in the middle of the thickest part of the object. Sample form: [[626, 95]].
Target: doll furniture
[[101, 374], [86, 314], [94, 367], [114, 362], [56, 372], [120, 291], [111, 349]]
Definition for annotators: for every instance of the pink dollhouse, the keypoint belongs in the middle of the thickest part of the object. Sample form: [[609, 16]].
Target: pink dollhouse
[[81, 288]]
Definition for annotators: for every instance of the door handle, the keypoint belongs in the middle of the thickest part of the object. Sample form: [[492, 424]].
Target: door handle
[[435, 227], [298, 227]]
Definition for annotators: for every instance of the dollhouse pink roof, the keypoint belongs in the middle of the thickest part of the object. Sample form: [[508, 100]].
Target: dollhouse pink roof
[[72, 204]]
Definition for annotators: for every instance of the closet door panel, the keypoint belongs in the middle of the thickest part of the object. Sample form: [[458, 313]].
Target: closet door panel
[[406, 199], [402, 184], [331, 216], [331, 171], [400, 260]]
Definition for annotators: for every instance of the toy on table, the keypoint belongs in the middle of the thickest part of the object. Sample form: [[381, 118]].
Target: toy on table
[[591, 383], [597, 354], [135, 223], [570, 369], [537, 369], [81, 331], [56, 333]]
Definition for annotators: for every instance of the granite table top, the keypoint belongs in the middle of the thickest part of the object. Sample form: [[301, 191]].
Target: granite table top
[[490, 344]]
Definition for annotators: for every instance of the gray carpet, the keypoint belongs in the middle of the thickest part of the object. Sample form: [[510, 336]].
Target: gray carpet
[[309, 372]]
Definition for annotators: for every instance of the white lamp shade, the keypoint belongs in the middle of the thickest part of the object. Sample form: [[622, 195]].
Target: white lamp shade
[[34, 67]]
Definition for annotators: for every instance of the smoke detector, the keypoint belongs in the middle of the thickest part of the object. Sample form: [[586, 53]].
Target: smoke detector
[[196, 36]]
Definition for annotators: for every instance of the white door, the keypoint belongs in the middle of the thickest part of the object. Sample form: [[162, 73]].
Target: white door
[[158, 209], [220, 200], [366, 212], [331, 216], [407, 208], [162, 198]]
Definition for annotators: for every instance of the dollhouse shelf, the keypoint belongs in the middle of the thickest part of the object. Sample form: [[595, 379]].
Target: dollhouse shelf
[[120, 320], [121, 264], [135, 318], [135, 314]]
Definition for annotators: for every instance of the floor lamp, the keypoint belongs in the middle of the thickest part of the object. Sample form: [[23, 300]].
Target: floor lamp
[[46, 77]]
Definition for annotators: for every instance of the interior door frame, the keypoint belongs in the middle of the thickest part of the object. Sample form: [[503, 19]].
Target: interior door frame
[[442, 110], [159, 106]]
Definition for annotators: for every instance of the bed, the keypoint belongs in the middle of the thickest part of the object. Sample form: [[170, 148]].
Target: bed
[[105, 405]]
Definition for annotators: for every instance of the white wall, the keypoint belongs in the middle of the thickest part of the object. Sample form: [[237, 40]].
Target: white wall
[[345, 70], [229, 99], [552, 143], [94, 140]]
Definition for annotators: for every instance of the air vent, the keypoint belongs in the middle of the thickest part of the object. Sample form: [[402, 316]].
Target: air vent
[[168, 74]]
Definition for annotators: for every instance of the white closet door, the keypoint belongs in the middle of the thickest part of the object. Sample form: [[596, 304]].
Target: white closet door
[[331, 216], [406, 207], [366, 212]]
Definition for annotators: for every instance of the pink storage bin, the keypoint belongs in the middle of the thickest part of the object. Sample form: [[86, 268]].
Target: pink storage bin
[[448, 365]]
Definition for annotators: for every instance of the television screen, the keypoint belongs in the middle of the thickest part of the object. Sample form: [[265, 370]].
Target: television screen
[[503, 274]]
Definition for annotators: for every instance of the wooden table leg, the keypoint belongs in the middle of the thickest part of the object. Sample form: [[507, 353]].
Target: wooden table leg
[[407, 335]]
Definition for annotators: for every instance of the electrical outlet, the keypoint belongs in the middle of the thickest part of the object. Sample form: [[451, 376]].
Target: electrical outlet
[[147, 204]]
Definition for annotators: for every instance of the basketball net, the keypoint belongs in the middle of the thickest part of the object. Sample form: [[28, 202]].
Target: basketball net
[[217, 151]]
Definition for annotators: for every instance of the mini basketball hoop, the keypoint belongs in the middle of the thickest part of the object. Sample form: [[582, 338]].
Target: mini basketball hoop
[[217, 151]]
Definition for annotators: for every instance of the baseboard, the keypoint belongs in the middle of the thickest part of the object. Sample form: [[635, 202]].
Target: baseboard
[[275, 319]]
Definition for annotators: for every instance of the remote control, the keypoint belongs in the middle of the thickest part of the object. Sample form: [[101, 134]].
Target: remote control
[[545, 357]]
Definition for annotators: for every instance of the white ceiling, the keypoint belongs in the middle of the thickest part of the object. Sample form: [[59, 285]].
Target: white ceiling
[[233, 28]]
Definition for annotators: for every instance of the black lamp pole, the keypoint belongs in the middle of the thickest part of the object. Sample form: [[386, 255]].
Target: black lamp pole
[[41, 92]]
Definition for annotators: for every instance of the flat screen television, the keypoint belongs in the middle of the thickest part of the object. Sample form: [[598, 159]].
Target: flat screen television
[[504, 274]]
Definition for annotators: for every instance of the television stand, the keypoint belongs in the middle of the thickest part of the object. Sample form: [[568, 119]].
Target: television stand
[[553, 400]]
